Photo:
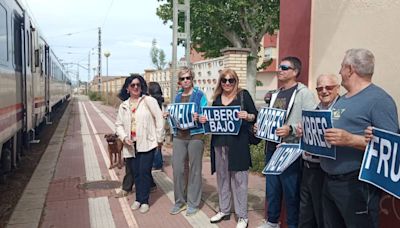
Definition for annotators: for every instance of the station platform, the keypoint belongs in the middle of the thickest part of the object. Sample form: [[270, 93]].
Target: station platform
[[73, 187]]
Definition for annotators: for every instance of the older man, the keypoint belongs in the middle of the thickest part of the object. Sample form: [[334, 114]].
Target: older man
[[346, 201], [313, 177]]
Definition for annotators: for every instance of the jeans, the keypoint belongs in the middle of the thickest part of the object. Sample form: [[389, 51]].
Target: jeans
[[141, 168], [158, 159], [349, 202], [286, 184]]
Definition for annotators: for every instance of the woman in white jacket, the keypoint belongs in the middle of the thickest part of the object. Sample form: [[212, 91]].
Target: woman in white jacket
[[139, 125]]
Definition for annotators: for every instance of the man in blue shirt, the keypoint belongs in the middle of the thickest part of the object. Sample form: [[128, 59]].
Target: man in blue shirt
[[346, 201]]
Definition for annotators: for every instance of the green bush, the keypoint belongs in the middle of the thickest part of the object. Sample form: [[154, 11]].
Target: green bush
[[257, 157], [94, 96]]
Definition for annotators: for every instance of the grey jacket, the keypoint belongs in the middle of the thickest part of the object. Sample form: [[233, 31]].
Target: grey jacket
[[302, 99]]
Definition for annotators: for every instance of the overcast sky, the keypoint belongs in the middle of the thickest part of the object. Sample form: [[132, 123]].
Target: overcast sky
[[128, 27]]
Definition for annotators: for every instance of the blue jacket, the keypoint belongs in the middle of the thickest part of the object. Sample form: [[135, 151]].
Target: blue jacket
[[200, 99]]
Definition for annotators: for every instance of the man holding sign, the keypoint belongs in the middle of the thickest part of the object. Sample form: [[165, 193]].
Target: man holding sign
[[292, 97], [346, 201], [188, 144], [313, 177]]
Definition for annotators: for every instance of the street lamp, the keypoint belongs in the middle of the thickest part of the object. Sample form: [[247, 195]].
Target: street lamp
[[107, 54]]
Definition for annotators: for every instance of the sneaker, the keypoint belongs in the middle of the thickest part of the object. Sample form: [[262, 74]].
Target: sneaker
[[176, 209], [144, 208], [266, 224], [135, 205], [242, 223], [191, 211], [121, 193], [219, 217]]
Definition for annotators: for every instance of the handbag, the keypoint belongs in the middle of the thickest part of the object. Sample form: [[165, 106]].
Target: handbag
[[253, 140]]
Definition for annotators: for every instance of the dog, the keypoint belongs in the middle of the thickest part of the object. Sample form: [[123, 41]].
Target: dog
[[114, 150]]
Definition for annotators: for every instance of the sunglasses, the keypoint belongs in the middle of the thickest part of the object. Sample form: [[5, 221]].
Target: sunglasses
[[133, 85], [230, 80], [185, 78], [328, 88], [284, 67]]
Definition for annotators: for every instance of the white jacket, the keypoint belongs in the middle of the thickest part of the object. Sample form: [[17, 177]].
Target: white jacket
[[149, 125]]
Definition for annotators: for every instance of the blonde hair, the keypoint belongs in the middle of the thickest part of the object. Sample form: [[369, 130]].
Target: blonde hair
[[225, 72], [185, 70]]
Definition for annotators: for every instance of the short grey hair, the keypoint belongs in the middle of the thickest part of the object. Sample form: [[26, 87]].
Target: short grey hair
[[362, 60], [333, 77]]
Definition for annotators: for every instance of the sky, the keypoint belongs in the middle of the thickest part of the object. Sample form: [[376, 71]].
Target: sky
[[128, 28]]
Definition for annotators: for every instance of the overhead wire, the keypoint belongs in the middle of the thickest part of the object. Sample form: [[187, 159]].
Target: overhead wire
[[107, 13]]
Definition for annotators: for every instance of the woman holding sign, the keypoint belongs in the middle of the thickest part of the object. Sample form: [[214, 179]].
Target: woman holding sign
[[230, 154], [188, 145], [140, 127]]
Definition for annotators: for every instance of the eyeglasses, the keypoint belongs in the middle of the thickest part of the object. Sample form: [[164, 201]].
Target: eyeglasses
[[328, 88], [185, 78], [133, 85], [230, 80], [284, 67]]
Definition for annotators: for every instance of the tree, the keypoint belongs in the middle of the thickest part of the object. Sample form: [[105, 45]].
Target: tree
[[228, 23], [157, 56]]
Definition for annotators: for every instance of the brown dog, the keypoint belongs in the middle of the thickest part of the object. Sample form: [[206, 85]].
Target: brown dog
[[114, 150]]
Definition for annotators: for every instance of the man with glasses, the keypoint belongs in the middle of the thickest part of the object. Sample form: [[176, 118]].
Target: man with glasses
[[347, 201], [313, 177], [293, 97]]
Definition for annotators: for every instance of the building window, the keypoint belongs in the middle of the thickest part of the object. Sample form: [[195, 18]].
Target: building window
[[3, 35]]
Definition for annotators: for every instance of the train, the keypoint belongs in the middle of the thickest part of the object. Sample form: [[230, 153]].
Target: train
[[32, 82]]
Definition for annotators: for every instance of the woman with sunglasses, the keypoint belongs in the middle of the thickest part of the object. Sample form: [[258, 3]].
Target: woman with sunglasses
[[230, 154], [188, 145], [140, 126]]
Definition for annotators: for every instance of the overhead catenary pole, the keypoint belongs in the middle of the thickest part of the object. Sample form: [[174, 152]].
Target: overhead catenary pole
[[176, 8], [174, 79], [99, 64]]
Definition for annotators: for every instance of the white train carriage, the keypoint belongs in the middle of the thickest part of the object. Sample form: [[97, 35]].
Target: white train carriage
[[32, 81]]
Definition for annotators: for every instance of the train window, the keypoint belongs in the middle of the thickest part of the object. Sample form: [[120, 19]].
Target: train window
[[17, 43], [3, 35]]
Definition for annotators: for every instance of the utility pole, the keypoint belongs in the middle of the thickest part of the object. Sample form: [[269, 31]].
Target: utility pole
[[176, 8], [99, 63], [88, 74]]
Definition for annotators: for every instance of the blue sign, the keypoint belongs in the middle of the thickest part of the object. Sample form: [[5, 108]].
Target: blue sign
[[268, 120], [381, 163], [181, 115], [222, 120], [282, 158], [314, 124]]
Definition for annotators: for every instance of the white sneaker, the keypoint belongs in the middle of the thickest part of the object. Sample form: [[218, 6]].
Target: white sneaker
[[266, 224], [135, 205], [242, 223], [219, 217], [144, 208]]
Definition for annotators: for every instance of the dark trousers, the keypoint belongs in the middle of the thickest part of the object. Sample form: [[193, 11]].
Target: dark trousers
[[288, 185], [129, 180], [348, 202], [141, 167], [311, 196], [158, 159]]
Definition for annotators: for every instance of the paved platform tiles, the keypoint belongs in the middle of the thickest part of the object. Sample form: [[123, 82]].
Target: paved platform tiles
[[54, 198]]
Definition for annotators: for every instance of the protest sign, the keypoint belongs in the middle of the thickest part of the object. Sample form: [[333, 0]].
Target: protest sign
[[314, 124], [282, 158], [181, 115], [381, 163], [268, 120], [222, 120]]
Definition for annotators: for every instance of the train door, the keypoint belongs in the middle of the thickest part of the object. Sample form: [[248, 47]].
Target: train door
[[47, 82]]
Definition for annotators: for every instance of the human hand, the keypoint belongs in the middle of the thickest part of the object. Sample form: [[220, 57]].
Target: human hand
[[242, 115], [165, 115], [368, 134], [128, 142], [338, 137], [195, 116], [299, 130], [202, 119], [283, 131]]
